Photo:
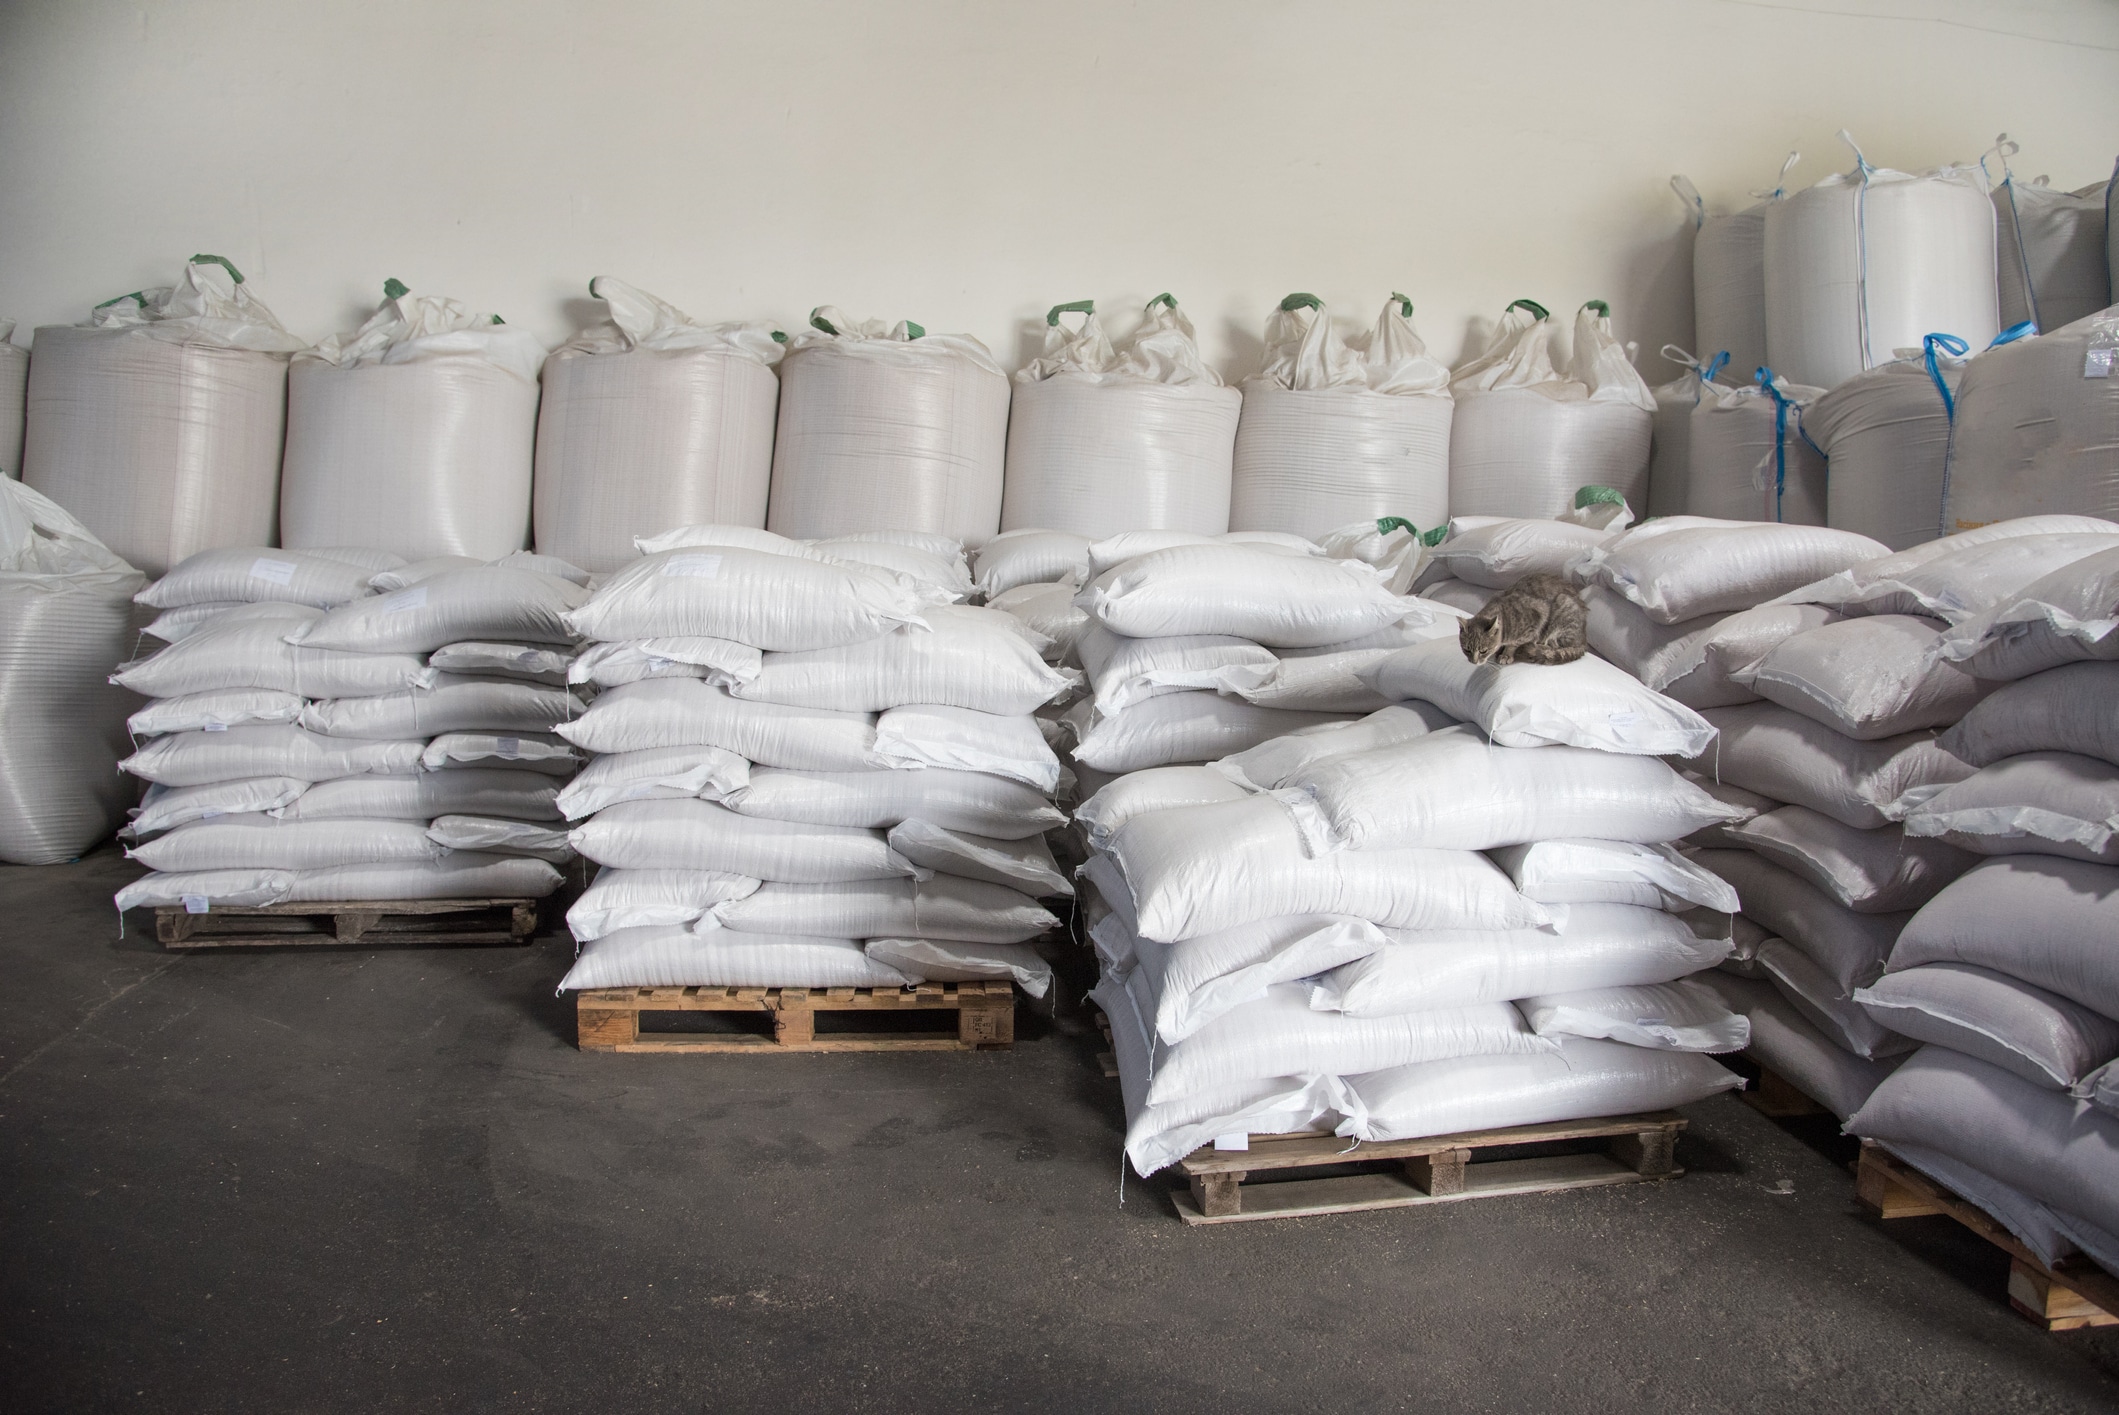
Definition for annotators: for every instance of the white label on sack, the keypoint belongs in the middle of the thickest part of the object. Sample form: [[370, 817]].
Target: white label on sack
[[1622, 719], [509, 747], [698, 567], [215, 727], [403, 600], [1241, 1140], [196, 903], [2097, 363], [210, 813], [1650, 1022], [279, 572]]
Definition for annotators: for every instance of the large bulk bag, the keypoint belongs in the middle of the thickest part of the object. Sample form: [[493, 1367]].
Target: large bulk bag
[[1525, 435], [1868, 261], [1729, 274], [159, 422], [14, 391], [2049, 248], [1333, 434], [2038, 429], [413, 434], [1670, 443], [1101, 442], [651, 421], [1750, 458], [65, 621], [888, 428]]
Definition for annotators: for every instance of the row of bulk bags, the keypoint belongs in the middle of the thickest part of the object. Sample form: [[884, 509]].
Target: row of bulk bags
[[2050, 256], [1670, 441], [1749, 458], [1334, 432], [413, 434], [14, 390], [650, 421], [1867, 261], [887, 428], [65, 621], [159, 422], [1886, 434], [2037, 428], [1729, 274], [1525, 435], [1101, 441]]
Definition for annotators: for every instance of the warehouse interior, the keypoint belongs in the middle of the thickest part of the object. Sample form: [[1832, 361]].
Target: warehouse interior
[[926, 706]]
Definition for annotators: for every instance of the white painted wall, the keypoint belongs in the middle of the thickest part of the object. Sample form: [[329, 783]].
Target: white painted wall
[[967, 163]]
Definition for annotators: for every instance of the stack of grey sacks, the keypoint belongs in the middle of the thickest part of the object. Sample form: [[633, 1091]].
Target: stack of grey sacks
[[1424, 918], [338, 725], [811, 766]]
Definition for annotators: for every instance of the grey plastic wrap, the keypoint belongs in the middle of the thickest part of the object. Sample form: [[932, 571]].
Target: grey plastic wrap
[[60, 635], [14, 392], [640, 441], [162, 448]]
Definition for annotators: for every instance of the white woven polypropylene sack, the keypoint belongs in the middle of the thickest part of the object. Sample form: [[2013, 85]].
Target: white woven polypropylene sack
[[684, 712], [1587, 703], [1101, 441], [1886, 434], [481, 791], [1829, 1005], [1763, 747], [496, 835], [1869, 871], [2036, 425], [954, 800], [2041, 803], [651, 421], [415, 433], [247, 648], [1847, 947], [1684, 567], [64, 620], [701, 835], [957, 656], [1596, 946], [888, 428], [1670, 445], [452, 704], [673, 957], [1332, 435], [1963, 578], [1793, 1047], [263, 843], [1028, 557], [775, 602], [1453, 790], [962, 739], [14, 392], [248, 574], [1525, 436], [1584, 871], [1868, 261], [1049, 611], [159, 423], [1679, 1016], [1749, 459], [1280, 601], [1694, 662], [1583, 1078], [1867, 678], [490, 602], [167, 807], [945, 907], [627, 899], [1729, 275], [958, 961], [1203, 978], [1273, 764], [652, 774], [2038, 918], [195, 758], [2066, 617], [2065, 709], [1497, 553], [943, 577], [1026, 864], [613, 665], [1174, 728], [2025, 1030], [1123, 671], [1201, 869], [1154, 789], [2049, 258], [458, 875], [524, 751]]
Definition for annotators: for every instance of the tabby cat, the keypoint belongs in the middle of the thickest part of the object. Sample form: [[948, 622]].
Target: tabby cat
[[1540, 619]]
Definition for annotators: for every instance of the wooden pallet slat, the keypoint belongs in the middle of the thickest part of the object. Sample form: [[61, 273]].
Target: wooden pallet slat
[[372, 923], [1432, 1170], [608, 1019], [2076, 1294]]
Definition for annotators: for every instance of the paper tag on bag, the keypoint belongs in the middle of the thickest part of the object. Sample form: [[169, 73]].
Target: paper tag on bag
[[195, 903], [509, 747], [1241, 1140], [278, 572], [698, 567]]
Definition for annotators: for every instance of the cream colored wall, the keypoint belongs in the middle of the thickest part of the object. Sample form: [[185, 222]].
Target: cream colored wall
[[967, 163]]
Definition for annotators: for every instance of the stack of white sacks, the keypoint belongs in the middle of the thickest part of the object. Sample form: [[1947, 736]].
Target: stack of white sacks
[[811, 767], [1305, 933], [337, 725]]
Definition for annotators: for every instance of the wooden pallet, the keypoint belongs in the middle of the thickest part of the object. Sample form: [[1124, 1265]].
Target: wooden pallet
[[1776, 1096], [2076, 1294], [608, 1019], [1439, 1169], [378, 923]]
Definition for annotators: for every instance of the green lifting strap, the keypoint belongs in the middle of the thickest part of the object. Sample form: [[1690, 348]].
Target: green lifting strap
[[778, 337], [222, 261], [1598, 495], [817, 321], [1075, 307], [1405, 306], [138, 297], [1533, 306], [1434, 537], [395, 289], [915, 331], [1301, 300], [1386, 524], [1165, 298], [1599, 306]]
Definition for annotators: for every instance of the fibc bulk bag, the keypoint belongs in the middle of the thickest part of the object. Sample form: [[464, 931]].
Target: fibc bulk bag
[[2038, 429], [65, 619], [158, 423], [1332, 435], [413, 434], [1729, 275], [1750, 459], [888, 428], [2049, 248], [14, 389], [1868, 261], [1525, 435], [652, 421], [1670, 443], [1101, 442]]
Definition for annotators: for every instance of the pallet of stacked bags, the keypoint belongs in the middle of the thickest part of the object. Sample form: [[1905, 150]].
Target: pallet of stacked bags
[[1446, 925], [345, 748], [815, 786]]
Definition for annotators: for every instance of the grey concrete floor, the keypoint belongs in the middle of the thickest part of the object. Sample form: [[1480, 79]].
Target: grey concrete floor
[[369, 1181]]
